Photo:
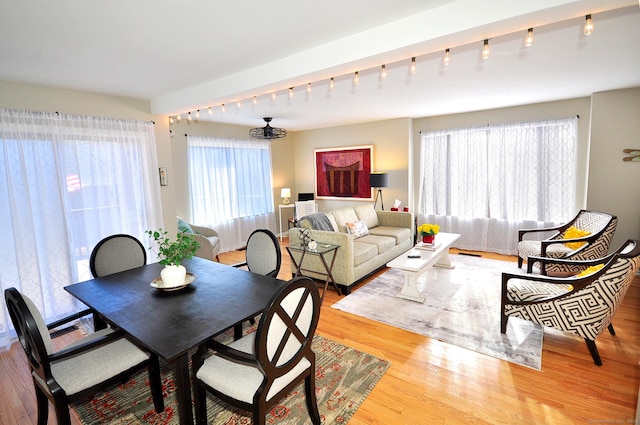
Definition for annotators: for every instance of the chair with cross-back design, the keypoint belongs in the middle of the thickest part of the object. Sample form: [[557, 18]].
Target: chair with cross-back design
[[256, 371], [583, 304], [586, 237], [80, 370]]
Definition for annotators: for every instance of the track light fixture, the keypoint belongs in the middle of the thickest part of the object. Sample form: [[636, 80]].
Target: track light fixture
[[528, 40], [485, 49], [447, 58], [290, 93], [588, 25], [356, 78], [383, 72], [412, 68], [331, 84]]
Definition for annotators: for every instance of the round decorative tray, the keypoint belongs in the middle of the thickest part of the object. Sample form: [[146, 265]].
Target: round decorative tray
[[157, 283]]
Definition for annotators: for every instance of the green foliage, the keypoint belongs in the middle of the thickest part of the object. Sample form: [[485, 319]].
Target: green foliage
[[173, 252]]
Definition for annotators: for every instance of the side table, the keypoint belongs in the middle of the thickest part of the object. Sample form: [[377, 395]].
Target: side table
[[321, 251]]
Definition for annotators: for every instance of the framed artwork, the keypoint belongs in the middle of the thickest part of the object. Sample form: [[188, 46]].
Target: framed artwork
[[343, 173]]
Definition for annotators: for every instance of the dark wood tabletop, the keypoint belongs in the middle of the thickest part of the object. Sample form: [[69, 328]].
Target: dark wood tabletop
[[170, 323]]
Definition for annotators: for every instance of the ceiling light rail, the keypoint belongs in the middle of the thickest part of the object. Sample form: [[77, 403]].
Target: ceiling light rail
[[446, 60]]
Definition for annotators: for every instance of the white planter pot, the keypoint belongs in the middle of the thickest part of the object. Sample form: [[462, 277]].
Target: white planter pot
[[173, 275]]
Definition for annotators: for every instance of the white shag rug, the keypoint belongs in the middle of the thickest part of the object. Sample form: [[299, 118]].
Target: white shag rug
[[462, 308]]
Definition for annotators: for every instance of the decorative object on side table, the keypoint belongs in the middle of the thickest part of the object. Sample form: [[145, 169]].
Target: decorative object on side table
[[171, 254], [428, 232]]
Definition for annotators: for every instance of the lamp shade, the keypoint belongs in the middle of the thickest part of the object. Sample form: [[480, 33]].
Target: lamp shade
[[379, 179], [285, 192]]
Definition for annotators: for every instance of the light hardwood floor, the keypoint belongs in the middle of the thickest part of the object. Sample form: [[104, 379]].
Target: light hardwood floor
[[431, 382]]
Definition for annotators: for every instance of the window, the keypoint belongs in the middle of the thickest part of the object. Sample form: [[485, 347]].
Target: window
[[230, 186], [66, 182], [487, 182]]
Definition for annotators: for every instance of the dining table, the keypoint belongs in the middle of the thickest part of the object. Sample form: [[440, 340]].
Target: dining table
[[170, 323]]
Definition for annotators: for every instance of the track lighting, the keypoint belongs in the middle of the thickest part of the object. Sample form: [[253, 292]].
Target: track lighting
[[447, 58], [588, 25], [210, 110], [308, 88], [331, 84], [356, 78], [528, 40], [290, 93], [189, 116], [485, 49], [222, 108], [383, 72], [255, 100], [412, 68]]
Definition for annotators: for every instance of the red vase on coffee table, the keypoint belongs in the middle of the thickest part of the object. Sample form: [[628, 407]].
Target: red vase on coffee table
[[428, 239]]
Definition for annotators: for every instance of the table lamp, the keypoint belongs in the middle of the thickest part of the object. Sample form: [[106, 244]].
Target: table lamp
[[285, 194], [379, 180]]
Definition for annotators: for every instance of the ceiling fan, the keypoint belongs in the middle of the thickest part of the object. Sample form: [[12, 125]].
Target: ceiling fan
[[268, 132]]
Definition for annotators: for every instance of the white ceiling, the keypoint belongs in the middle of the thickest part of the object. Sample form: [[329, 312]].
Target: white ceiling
[[192, 54]]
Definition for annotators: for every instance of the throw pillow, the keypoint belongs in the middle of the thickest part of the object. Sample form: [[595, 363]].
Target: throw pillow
[[358, 228], [590, 270], [572, 233], [184, 227]]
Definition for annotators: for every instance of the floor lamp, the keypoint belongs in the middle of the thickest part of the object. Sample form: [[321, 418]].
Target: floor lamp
[[378, 180]]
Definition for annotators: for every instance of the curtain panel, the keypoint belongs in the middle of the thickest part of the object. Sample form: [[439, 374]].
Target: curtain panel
[[66, 182], [487, 182], [230, 187]]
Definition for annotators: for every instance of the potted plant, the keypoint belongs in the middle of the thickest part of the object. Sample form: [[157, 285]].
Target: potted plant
[[171, 253], [428, 232]]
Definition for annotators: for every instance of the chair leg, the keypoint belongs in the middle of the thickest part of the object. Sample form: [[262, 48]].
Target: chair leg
[[310, 394], [155, 381], [237, 332], [594, 351], [503, 322], [611, 330], [43, 407], [200, 402], [519, 262]]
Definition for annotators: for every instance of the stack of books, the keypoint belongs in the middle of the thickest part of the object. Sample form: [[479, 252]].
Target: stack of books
[[427, 246]]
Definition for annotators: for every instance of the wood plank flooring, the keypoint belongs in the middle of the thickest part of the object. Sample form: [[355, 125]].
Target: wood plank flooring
[[431, 382]]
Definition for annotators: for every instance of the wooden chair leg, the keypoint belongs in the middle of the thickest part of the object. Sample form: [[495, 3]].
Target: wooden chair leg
[[237, 332], [611, 330], [594, 352], [310, 395], [519, 262], [43, 407]]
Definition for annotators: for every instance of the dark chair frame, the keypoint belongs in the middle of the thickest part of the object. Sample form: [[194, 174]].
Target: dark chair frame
[[40, 362], [578, 284], [260, 359], [274, 239], [556, 238]]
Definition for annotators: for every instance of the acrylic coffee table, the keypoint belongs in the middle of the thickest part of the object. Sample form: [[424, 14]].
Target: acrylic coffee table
[[413, 268]]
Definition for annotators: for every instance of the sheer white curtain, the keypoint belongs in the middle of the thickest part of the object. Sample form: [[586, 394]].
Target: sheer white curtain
[[66, 182], [230, 187], [487, 182]]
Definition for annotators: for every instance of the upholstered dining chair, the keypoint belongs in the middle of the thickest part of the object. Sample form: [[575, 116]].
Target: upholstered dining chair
[[583, 304], [256, 371], [587, 236], [116, 253], [82, 369], [262, 256]]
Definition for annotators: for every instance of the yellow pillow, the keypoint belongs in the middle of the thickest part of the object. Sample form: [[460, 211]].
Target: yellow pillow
[[590, 270], [573, 233]]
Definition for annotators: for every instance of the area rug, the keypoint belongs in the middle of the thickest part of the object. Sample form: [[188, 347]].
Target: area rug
[[462, 308], [344, 378]]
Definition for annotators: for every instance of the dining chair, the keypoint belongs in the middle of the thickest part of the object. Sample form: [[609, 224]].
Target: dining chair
[[585, 237], [262, 256], [583, 304], [80, 370], [258, 370], [116, 253]]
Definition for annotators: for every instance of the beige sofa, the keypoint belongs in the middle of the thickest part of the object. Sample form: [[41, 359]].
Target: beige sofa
[[389, 235]]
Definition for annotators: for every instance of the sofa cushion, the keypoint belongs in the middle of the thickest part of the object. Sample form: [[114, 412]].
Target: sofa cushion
[[382, 243], [363, 252], [400, 234], [344, 216], [358, 228], [368, 214]]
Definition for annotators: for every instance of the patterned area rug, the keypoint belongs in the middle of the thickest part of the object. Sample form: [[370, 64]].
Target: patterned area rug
[[462, 308], [344, 378]]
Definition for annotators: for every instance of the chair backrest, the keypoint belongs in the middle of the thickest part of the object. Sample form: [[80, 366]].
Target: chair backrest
[[31, 330], [263, 253], [286, 330], [117, 253], [603, 296], [302, 208]]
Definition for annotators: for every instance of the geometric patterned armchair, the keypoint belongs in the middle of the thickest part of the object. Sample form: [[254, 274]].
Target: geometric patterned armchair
[[586, 237], [583, 305]]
